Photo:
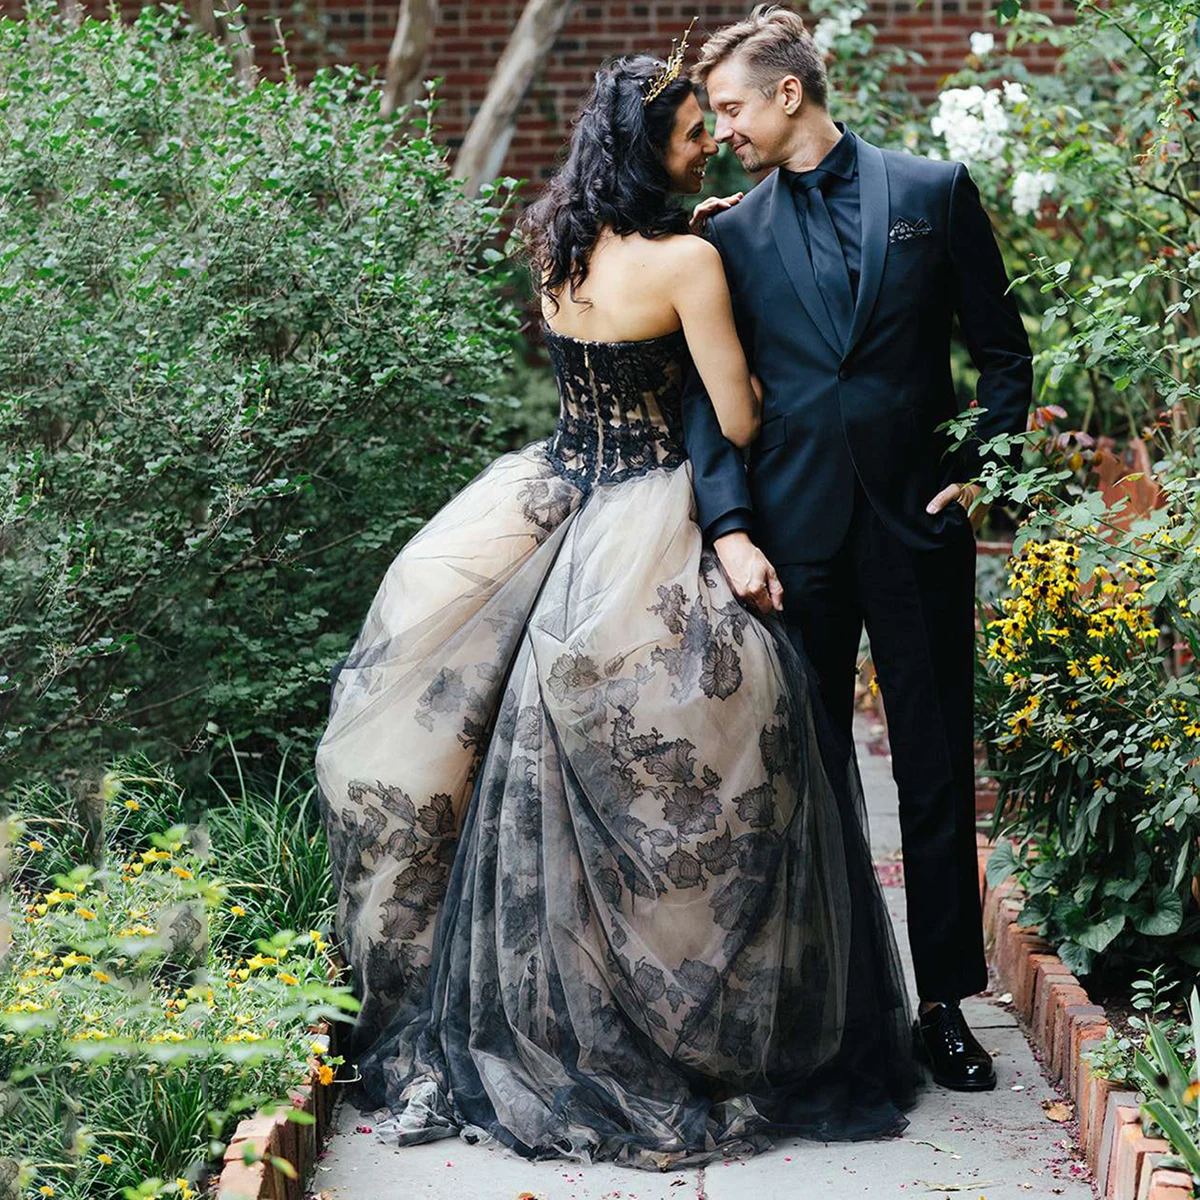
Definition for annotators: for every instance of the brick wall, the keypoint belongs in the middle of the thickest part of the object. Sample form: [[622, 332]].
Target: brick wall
[[470, 35]]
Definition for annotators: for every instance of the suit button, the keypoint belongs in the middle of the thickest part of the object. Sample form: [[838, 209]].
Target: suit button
[[843, 373]]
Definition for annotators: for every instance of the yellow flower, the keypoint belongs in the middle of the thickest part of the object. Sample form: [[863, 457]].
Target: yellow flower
[[106, 1159], [1074, 669], [1060, 746], [75, 960], [36, 846], [287, 978], [86, 914], [57, 897], [184, 1190], [168, 1035], [237, 910], [152, 856], [1192, 729], [102, 976], [317, 1049], [46, 1190], [132, 805], [1160, 743], [325, 1073], [183, 872]]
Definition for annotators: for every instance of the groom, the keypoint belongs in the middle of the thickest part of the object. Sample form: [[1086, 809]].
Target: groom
[[847, 266]]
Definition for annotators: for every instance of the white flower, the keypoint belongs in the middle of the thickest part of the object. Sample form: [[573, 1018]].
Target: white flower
[[973, 123], [1014, 93], [836, 25], [1028, 189], [982, 44]]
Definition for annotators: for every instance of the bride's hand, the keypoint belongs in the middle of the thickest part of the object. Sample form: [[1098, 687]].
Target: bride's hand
[[706, 208], [750, 573]]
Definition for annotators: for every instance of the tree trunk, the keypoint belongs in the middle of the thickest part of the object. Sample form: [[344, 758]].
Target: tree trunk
[[406, 55], [232, 31], [483, 149]]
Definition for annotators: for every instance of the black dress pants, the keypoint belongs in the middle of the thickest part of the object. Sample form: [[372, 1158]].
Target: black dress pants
[[918, 607]]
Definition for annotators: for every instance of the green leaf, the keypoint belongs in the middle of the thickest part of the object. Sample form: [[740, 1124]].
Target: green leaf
[[1168, 1063], [1164, 919], [1076, 958], [1001, 863], [1181, 1141], [1101, 934]]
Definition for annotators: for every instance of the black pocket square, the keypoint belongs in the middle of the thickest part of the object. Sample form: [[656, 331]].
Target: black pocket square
[[904, 230]]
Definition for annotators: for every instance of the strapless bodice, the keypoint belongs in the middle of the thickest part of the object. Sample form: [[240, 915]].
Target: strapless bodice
[[619, 406]]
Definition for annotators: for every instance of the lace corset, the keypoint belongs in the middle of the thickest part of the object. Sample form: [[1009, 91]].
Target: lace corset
[[619, 406]]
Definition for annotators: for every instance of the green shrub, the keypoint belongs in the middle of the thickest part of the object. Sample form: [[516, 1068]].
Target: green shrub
[[244, 337]]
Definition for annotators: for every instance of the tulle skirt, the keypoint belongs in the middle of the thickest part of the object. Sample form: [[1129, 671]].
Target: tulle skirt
[[601, 867]]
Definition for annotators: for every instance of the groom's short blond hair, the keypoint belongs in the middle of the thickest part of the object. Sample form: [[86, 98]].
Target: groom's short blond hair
[[771, 43]]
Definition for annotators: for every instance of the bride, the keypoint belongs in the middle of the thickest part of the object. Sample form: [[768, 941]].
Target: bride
[[601, 870]]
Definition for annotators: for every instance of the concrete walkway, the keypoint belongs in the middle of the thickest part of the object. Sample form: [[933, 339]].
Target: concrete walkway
[[992, 1146]]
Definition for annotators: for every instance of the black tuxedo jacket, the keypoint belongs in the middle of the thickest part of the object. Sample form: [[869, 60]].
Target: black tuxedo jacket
[[868, 405]]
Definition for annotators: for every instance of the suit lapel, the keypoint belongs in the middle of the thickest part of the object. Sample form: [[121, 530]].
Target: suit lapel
[[875, 211], [785, 229]]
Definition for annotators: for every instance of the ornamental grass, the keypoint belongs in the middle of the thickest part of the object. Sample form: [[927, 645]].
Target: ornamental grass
[[138, 1023]]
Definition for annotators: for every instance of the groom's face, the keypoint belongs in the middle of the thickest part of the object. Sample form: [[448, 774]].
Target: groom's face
[[755, 126]]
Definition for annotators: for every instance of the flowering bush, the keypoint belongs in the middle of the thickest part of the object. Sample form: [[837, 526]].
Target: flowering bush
[[1097, 749], [1084, 170], [136, 1024]]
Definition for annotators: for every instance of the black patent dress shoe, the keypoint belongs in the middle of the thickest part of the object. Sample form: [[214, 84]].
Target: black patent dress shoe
[[946, 1044]]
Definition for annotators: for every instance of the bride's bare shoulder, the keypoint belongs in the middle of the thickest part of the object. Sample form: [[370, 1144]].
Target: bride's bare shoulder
[[682, 252], [688, 257]]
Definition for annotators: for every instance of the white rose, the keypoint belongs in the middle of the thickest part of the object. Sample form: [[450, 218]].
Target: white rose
[[982, 44], [837, 25], [973, 123], [1028, 189], [1014, 93]]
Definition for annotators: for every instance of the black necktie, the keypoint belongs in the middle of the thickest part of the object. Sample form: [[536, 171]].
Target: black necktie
[[829, 263]]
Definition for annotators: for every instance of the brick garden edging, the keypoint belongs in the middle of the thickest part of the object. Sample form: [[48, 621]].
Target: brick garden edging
[[275, 1135], [1063, 1023]]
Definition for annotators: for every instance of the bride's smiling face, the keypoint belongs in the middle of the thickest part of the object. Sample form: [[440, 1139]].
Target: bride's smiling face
[[690, 148]]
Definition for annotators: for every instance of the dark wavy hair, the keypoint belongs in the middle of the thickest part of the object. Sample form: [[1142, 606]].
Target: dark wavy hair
[[614, 175]]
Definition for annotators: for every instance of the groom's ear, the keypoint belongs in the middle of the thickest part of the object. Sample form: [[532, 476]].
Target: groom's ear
[[789, 92]]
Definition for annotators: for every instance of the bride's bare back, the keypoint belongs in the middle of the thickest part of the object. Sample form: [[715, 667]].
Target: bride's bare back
[[626, 284], [642, 288]]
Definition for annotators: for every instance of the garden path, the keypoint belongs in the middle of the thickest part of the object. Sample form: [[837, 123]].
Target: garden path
[[991, 1146]]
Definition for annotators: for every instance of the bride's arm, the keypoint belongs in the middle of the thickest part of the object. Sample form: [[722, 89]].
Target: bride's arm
[[700, 295]]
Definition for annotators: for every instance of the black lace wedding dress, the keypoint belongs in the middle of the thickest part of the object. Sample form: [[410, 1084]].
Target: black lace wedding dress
[[601, 871]]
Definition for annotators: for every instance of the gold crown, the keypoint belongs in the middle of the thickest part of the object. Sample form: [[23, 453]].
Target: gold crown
[[671, 68]]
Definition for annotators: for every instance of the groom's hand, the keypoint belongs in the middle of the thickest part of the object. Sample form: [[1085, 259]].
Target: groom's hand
[[964, 494], [706, 208], [750, 574]]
